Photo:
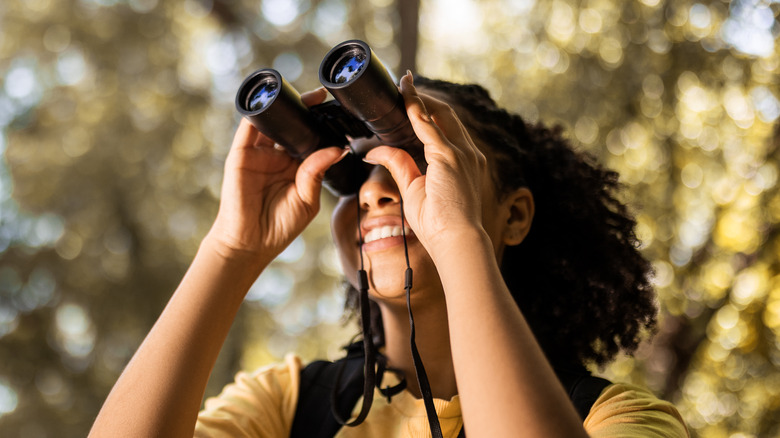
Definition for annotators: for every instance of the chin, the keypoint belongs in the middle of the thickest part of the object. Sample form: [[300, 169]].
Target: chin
[[386, 280], [387, 292]]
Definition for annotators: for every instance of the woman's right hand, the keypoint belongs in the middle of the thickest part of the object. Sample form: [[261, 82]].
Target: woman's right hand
[[268, 197]]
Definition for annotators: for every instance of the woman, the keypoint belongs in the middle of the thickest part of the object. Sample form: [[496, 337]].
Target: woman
[[497, 197]]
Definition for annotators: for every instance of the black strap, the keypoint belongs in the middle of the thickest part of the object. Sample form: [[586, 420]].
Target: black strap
[[582, 387], [314, 412], [419, 368], [369, 350], [313, 417], [422, 376], [369, 362]]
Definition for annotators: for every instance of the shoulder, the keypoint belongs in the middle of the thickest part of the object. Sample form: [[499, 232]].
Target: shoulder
[[257, 404], [627, 410]]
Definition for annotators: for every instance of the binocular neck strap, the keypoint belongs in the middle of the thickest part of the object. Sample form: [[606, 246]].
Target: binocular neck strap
[[422, 377], [369, 350], [369, 379]]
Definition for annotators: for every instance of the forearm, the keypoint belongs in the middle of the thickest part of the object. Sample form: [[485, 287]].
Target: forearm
[[160, 391], [505, 383]]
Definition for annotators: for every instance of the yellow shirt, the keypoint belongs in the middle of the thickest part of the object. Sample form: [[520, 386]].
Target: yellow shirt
[[262, 404]]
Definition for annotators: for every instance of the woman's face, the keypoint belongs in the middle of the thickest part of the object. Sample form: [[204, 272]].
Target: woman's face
[[381, 227], [383, 247]]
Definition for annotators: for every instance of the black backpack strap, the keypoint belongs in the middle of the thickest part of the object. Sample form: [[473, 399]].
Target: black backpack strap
[[313, 413], [583, 388], [586, 392], [313, 416]]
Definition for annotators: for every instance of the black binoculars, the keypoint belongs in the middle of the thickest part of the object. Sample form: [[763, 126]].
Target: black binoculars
[[367, 103]]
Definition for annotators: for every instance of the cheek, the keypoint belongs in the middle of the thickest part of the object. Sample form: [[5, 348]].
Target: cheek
[[344, 231]]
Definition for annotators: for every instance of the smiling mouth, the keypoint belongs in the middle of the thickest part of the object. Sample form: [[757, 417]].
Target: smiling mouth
[[385, 232]]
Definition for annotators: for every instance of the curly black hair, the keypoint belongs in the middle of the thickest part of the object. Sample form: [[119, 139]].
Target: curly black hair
[[578, 277]]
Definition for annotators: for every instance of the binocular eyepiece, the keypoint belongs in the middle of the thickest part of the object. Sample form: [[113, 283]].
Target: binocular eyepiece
[[367, 103]]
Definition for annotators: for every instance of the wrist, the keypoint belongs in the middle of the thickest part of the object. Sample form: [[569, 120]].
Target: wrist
[[225, 254], [460, 245]]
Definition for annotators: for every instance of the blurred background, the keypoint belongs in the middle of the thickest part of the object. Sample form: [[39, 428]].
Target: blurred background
[[116, 116]]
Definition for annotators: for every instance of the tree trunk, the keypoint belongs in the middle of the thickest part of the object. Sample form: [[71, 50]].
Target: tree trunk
[[409, 11]]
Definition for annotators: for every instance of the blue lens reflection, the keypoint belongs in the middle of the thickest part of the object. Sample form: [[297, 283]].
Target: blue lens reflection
[[262, 96], [348, 67]]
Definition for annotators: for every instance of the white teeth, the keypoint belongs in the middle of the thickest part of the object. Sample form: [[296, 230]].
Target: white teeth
[[382, 233], [386, 232]]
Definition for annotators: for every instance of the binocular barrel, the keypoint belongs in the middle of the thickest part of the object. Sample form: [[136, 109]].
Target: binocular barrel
[[357, 79], [275, 108], [367, 103]]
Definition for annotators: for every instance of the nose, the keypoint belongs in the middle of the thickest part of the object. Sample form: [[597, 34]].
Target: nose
[[379, 190]]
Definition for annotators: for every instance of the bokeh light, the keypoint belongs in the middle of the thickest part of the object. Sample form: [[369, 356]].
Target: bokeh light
[[116, 117]]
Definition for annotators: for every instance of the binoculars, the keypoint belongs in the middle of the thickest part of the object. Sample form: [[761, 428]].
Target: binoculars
[[366, 103]]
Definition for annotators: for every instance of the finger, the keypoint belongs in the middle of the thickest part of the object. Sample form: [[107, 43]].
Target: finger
[[314, 97], [444, 117], [246, 135], [308, 178], [436, 124], [421, 120], [401, 165], [433, 120], [437, 112]]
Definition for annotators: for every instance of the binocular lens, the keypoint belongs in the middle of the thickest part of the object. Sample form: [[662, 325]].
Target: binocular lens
[[262, 94], [348, 66]]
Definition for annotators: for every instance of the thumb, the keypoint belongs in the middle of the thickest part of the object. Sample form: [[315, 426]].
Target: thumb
[[398, 162], [308, 177]]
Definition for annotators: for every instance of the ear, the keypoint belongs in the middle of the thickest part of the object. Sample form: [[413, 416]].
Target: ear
[[520, 206]]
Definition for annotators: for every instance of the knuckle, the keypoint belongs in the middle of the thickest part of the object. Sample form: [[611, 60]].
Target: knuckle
[[481, 158], [309, 173], [452, 155], [451, 111]]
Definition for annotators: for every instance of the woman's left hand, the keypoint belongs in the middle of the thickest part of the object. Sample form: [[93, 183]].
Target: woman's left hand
[[447, 200]]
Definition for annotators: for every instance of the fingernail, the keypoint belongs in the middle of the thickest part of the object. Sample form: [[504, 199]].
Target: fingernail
[[407, 81], [369, 161], [343, 154]]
